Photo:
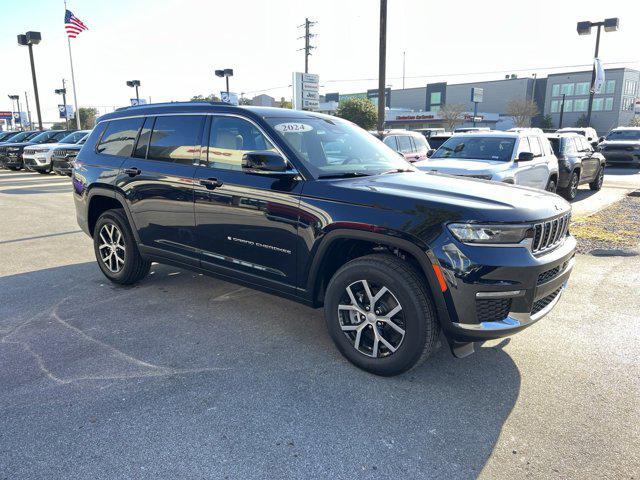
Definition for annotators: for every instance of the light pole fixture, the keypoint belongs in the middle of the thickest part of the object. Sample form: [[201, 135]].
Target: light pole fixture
[[30, 39], [63, 92], [584, 28], [226, 73], [136, 84]]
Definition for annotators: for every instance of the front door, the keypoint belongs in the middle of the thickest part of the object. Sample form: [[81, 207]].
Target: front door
[[158, 184], [590, 164], [246, 223], [525, 173]]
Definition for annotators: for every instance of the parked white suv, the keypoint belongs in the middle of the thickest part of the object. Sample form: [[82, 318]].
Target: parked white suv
[[588, 132], [37, 158], [521, 158]]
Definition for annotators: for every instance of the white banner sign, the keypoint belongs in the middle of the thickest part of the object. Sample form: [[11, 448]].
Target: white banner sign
[[599, 81]]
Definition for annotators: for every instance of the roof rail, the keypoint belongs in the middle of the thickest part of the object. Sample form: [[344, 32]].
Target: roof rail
[[175, 104]]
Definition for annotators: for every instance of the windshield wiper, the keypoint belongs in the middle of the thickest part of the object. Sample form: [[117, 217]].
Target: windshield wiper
[[345, 175], [397, 170]]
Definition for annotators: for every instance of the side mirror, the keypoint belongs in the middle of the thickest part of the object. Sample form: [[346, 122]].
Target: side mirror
[[525, 157], [601, 139], [430, 152], [265, 162]]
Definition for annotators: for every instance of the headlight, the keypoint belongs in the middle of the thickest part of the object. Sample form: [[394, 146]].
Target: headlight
[[490, 234]]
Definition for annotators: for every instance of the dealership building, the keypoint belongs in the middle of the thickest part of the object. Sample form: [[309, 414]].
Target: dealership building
[[419, 107]]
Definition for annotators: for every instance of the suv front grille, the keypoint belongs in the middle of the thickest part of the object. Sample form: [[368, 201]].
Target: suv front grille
[[493, 310], [545, 301], [550, 234]]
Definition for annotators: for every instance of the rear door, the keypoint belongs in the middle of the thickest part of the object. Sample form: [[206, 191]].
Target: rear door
[[247, 224], [525, 174], [590, 164], [157, 181]]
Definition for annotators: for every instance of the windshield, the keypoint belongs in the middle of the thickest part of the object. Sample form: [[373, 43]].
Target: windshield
[[624, 135], [476, 147], [83, 140], [20, 137], [42, 137], [436, 142], [73, 137], [334, 147]]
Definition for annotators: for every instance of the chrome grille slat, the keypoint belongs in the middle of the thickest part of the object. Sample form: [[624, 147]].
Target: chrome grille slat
[[550, 233]]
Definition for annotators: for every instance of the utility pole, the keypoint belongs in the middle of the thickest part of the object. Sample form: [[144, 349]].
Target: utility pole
[[307, 42], [382, 61], [26, 99], [561, 111]]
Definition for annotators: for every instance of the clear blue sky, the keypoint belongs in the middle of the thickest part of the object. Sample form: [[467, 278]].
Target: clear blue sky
[[173, 46]]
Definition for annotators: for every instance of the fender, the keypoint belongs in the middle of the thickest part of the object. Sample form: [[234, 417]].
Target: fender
[[424, 258], [114, 193]]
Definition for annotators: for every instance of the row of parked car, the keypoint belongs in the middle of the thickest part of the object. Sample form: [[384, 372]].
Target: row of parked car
[[41, 151], [557, 162]]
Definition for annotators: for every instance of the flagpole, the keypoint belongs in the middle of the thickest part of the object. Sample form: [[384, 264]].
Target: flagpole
[[73, 78]]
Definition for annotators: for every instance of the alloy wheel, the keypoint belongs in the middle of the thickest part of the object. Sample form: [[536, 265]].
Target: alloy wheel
[[371, 317], [112, 248], [574, 185], [600, 177]]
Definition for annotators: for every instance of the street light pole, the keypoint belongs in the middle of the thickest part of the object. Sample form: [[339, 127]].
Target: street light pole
[[584, 28], [30, 39], [26, 100], [561, 111], [382, 63]]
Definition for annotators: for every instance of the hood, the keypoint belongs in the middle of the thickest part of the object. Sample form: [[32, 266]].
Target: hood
[[455, 166], [20, 144], [473, 199], [50, 146], [619, 143]]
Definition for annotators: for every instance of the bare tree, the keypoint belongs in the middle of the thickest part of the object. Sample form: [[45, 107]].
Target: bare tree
[[452, 114], [522, 112]]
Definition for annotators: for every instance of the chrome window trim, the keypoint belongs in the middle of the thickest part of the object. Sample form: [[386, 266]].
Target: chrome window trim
[[294, 170]]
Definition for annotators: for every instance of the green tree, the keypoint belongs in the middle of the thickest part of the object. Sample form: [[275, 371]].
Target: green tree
[[546, 122], [87, 117], [635, 121], [244, 101], [208, 98], [582, 121], [285, 103], [360, 111]]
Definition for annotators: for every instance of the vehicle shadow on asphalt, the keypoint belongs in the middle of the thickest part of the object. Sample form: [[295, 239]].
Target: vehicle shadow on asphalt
[[242, 368]]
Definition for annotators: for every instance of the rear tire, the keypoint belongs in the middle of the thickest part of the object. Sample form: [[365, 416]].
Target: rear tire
[[362, 331], [571, 190], [596, 185], [116, 249]]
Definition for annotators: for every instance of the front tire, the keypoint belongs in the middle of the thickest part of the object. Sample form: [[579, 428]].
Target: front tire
[[551, 185], [596, 185], [116, 249], [380, 315]]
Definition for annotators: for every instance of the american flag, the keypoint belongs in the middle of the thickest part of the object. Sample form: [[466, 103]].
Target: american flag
[[73, 25]]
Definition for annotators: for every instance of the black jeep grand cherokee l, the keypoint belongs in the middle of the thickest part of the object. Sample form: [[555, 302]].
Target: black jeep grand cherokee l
[[313, 208]]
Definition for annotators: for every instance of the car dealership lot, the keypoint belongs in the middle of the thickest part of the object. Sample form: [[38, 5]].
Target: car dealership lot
[[186, 376]]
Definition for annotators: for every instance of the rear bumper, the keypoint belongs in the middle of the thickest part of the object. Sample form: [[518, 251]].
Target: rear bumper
[[494, 292]]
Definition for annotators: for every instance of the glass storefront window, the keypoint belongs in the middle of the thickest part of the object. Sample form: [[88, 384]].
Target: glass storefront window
[[555, 90], [567, 88], [435, 98], [597, 104], [555, 106], [568, 105], [580, 105], [610, 87], [608, 103]]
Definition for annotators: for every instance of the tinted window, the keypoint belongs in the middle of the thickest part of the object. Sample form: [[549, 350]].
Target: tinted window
[[477, 147], [391, 142], [119, 137], [143, 138], [585, 145], [555, 144], [404, 144], [72, 137], [624, 135], [436, 142], [231, 137], [176, 138]]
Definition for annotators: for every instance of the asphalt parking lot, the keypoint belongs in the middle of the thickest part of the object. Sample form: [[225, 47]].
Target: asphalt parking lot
[[184, 376]]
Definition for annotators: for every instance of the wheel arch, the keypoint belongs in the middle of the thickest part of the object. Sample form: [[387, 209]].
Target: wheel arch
[[102, 199], [321, 270]]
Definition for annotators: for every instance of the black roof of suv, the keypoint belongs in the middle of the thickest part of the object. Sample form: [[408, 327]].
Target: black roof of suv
[[313, 208]]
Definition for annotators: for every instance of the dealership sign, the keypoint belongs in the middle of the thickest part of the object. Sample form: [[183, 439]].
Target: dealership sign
[[6, 115], [306, 88]]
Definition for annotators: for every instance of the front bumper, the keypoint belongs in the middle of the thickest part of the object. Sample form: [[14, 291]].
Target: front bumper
[[62, 166], [622, 156], [497, 291], [11, 161]]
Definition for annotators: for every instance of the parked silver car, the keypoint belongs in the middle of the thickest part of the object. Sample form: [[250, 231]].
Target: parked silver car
[[521, 158]]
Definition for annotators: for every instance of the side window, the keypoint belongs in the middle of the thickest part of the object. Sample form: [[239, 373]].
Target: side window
[[176, 138], [119, 137], [143, 139], [577, 146], [586, 146], [404, 144], [523, 145], [421, 143], [535, 146], [569, 145], [230, 138], [391, 142]]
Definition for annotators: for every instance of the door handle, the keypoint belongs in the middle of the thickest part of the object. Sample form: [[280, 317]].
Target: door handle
[[211, 183], [133, 171]]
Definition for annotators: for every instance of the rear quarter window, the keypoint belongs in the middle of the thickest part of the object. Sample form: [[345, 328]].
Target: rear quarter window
[[119, 137]]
